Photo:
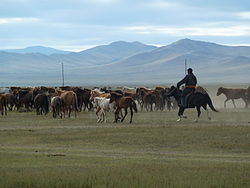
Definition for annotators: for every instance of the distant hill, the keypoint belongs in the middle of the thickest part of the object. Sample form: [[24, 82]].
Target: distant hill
[[37, 49], [130, 63], [106, 54]]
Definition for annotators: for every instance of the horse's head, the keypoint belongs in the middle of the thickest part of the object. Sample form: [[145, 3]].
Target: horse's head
[[220, 91], [92, 95], [114, 96], [172, 91]]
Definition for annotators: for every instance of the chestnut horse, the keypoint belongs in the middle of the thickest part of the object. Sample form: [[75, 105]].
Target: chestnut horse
[[232, 94], [69, 101], [122, 102]]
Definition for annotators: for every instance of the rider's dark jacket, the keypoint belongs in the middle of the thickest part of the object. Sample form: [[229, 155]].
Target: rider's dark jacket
[[189, 80]]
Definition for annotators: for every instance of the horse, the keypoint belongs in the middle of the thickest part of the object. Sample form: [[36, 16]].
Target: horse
[[86, 99], [232, 94], [97, 93], [56, 105], [69, 101], [25, 97], [10, 100], [122, 102], [248, 95], [102, 104], [3, 106], [195, 100], [41, 103]]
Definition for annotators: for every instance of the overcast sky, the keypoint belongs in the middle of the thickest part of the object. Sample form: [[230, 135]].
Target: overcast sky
[[79, 24]]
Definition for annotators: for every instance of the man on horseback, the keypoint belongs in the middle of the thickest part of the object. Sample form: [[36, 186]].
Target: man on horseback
[[190, 82]]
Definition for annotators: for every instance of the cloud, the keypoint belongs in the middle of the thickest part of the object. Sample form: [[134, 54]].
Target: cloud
[[236, 30], [17, 20], [162, 4], [243, 15]]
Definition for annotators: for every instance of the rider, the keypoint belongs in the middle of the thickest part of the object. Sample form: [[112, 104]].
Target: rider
[[190, 82]]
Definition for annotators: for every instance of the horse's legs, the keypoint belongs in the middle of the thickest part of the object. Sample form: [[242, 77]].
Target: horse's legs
[[5, 108], [198, 108], [131, 114], [104, 116], [116, 114], [246, 103], [63, 110], [233, 103], [225, 102], [205, 108], [69, 109], [98, 117], [141, 104], [76, 109], [126, 112], [180, 113], [101, 116], [151, 107]]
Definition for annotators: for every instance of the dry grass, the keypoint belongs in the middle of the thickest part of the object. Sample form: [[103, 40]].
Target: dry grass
[[155, 151]]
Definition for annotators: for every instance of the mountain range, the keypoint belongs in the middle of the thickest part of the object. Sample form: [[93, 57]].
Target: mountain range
[[37, 49], [128, 63]]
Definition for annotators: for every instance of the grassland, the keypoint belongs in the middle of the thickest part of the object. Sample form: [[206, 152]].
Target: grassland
[[155, 151]]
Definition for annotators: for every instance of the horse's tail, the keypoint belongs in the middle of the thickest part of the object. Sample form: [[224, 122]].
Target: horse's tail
[[133, 104], [76, 102], [210, 104], [5, 105], [46, 105]]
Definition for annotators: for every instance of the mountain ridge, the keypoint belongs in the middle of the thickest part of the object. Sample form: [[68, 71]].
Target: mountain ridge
[[131, 62]]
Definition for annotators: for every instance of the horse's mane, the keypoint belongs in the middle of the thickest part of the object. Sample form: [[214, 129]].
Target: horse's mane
[[116, 94]]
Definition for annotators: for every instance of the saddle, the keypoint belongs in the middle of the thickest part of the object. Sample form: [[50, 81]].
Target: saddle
[[200, 89]]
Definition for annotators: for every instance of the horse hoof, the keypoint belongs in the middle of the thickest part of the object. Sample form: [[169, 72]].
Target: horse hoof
[[209, 118], [185, 117], [196, 120], [178, 120]]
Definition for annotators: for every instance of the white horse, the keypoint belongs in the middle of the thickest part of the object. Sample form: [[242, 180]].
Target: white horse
[[102, 104]]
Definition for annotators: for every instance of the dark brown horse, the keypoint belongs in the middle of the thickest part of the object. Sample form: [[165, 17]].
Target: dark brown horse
[[248, 95], [195, 100], [123, 103], [232, 94], [3, 106], [41, 103], [24, 98]]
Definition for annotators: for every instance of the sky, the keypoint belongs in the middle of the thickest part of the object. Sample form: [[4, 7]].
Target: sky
[[76, 25]]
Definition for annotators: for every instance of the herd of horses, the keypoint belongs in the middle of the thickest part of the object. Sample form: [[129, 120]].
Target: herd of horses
[[62, 101]]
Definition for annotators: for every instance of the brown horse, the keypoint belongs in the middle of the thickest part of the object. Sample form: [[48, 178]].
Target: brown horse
[[123, 103], [232, 94], [3, 106], [10, 100], [69, 101]]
